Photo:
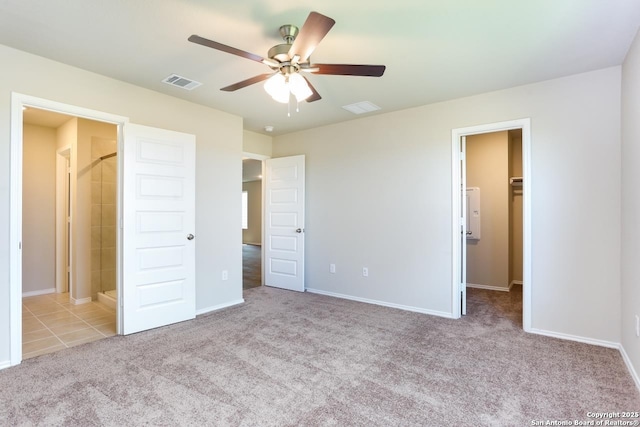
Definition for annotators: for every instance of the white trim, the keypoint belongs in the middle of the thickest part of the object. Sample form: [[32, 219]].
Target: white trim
[[79, 301], [630, 367], [489, 287], [252, 244], [5, 364], [254, 156], [219, 307], [39, 292], [495, 288], [569, 337], [18, 101], [381, 303], [456, 134], [107, 300]]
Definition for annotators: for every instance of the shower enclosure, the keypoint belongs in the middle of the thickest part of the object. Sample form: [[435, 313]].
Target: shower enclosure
[[103, 221]]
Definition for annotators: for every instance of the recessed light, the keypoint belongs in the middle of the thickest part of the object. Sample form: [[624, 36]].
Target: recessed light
[[268, 128]]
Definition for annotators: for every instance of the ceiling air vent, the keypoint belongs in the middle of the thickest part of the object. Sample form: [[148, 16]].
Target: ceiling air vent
[[183, 82], [361, 107]]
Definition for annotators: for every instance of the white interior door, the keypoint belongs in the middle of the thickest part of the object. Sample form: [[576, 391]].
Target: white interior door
[[463, 225], [284, 225], [158, 259]]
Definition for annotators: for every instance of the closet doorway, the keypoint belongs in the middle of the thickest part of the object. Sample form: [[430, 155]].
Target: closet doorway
[[491, 201]]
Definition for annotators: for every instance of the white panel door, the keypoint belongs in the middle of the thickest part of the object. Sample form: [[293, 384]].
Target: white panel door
[[158, 259], [284, 223], [463, 225]]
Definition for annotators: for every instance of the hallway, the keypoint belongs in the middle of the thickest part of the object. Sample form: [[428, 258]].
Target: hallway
[[251, 266]]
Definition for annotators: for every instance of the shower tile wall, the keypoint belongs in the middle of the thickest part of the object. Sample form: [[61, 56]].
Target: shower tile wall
[[103, 216]]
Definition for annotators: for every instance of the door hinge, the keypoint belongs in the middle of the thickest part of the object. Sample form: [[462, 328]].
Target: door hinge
[[462, 156]]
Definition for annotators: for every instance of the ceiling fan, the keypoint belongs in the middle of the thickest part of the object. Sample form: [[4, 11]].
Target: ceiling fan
[[287, 60]]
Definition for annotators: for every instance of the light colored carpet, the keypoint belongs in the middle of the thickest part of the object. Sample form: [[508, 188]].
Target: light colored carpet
[[286, 358]]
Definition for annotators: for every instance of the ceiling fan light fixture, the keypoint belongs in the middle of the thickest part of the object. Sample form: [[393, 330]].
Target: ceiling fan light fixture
[[276, 86], [299, 87], [280, 87]]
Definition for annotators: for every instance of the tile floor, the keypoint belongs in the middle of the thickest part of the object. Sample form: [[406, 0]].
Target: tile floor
[[51, 322]]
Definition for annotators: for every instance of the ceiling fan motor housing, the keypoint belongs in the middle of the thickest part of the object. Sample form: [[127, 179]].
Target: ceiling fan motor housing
[[280, 52]]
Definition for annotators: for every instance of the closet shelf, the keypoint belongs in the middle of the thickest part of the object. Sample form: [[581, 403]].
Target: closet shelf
[[516, 181]]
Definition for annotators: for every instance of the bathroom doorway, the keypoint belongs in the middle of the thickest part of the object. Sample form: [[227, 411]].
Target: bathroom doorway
[[69, 210]]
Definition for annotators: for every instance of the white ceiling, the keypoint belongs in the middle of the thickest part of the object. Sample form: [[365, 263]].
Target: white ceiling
[[434, 50]]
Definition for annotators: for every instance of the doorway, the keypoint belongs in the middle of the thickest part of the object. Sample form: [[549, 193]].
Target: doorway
[[463, 218], [494, 217], [69, 210], [18, 234], [252, 221]]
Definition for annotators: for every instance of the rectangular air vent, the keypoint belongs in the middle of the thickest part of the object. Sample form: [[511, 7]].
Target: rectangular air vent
[[182, 82], [361, 107]]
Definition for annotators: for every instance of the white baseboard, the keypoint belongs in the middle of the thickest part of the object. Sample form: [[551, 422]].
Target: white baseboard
[[40, 292], [382, 303], [252, 243], [630, 367], [4, 365], [515, 282], [219, 307], [585, 340], [488, 287], [80, 300], [107, 300]]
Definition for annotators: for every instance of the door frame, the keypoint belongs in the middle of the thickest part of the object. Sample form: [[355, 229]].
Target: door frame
[[18, 102], [456, 157], [262, 158]]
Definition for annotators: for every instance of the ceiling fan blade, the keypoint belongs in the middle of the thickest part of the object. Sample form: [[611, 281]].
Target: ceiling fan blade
[[315, 96], [312, 32], [232, 50], [248, 82], [347, 69]]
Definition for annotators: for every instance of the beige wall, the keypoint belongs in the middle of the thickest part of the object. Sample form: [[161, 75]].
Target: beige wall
[[256, 143], [253, 234], [488, 169], [379, 196], [38, 209], [515, 209], [630, 205], [219, 140]]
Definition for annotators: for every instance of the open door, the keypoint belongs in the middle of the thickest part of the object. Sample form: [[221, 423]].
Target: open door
[[158, 250], [463, 225], [284, 223]]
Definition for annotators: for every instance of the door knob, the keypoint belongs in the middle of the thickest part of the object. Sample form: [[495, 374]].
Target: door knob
[[298, 230], [190, 237]]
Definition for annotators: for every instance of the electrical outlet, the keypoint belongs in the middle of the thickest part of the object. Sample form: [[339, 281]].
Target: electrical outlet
[[332, 268], [225, 275], [365, 272], [637, 325]]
